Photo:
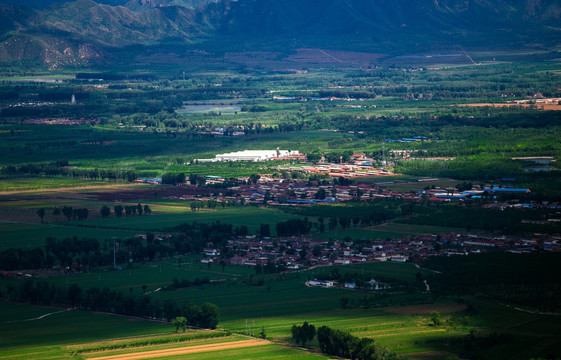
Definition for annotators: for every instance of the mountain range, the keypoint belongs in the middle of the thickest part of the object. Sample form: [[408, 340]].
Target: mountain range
[[86, 32]]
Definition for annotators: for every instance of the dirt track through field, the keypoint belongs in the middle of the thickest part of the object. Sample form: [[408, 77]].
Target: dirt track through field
[[185, 350]]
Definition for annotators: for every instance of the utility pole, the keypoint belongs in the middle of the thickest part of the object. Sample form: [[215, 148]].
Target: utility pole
[[114, 253]]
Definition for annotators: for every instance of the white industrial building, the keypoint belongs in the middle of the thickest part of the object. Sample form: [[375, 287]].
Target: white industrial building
[[256, 155]]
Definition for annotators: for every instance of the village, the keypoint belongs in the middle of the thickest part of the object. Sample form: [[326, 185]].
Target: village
[[281, 254], [329, 183], [266, 190]]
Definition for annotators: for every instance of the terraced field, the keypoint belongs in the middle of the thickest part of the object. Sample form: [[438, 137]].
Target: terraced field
[[401, 332]]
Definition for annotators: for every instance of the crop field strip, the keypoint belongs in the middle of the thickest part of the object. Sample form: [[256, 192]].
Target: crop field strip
[[230, 347], [399, 332], [178, 351]]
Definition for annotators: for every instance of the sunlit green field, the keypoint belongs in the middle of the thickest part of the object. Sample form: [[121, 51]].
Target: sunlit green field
[[37, 183], [154, 275], [46, 333], [402, 332], [39, 332], [52, 333], [241, 294], [250, 216], [164, 217], [212, 349]]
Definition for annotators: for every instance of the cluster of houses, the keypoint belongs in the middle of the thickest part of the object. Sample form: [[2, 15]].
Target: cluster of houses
[[234, 130], [296, 253], [369, 285], [282, 192], [363, 169], [476, 192], [59, 121]]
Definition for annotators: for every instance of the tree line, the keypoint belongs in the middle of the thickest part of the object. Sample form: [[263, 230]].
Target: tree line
[[39, 292], [82, 213], [340, 343], [60, 169], [294, 227], [126, 209], [200, 316], [86, 253]]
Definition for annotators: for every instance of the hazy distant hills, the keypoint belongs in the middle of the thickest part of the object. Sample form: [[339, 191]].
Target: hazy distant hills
[[437, 18], [85, 32]]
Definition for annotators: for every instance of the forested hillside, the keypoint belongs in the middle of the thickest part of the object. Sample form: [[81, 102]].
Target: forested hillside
[[85, 32]]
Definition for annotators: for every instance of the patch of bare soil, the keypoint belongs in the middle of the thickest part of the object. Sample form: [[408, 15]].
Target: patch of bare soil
[[185, 350], [162, 191]]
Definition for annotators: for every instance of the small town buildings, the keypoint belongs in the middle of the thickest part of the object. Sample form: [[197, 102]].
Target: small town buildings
[[259, 155], [322, 283]]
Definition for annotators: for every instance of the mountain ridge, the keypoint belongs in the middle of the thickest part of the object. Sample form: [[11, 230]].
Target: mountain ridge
[[86, 32]]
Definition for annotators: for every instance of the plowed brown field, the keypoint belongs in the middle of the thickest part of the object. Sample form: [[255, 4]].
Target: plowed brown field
[[184, 350]]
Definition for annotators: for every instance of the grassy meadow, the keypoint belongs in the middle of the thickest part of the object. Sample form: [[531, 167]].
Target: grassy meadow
[[408, 330], [40, 332]]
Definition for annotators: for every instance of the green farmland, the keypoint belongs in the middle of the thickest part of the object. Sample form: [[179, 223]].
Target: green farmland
[[165, 216], [240, 293], [41, 332], [252, 217], [386, 231], [73, 177], [27, 235]]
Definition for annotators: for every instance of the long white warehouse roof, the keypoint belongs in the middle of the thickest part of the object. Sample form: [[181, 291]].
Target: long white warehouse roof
[[255, 155]]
